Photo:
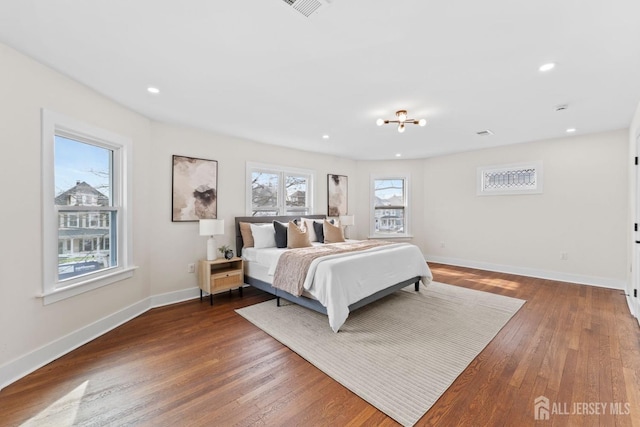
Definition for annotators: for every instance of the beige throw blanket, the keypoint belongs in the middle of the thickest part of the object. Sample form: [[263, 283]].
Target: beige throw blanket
[[293, 265]]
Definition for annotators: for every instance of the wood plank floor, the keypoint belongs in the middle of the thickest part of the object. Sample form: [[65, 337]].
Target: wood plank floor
[[191, 364]]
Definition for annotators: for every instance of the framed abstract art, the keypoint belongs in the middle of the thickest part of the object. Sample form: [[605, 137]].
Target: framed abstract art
[[337, 188], [194, 189]]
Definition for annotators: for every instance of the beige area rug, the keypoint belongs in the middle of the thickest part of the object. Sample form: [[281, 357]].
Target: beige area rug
[[400, 353]]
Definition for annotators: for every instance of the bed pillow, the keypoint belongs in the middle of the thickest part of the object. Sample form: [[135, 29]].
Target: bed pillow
[[247, 236], [297, 238], [281, 234], [264, 236], [332, 233], [307, 223], [318, 228]]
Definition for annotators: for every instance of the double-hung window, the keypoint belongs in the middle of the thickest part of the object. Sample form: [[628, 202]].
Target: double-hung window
[[389, 206], [275, 190], [86, 220]]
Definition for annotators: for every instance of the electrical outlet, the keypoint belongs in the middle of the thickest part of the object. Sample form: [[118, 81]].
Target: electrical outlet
[[191, 268], [564, 256], [442, 245]]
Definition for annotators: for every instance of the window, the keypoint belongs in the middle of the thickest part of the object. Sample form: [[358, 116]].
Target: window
[[524, 178], [275, 190], [390, 207], [87, 228]]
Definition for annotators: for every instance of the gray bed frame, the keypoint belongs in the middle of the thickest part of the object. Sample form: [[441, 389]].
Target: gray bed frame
[[303, 301]]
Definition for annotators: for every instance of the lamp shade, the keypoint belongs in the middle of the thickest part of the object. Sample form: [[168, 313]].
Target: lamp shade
[[211, 227], [347, 219]]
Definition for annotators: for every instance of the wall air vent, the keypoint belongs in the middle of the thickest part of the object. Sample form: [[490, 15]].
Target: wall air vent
[[308, 7]]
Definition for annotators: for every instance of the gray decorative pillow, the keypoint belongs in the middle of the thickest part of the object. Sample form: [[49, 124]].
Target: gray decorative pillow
[[281, 234]]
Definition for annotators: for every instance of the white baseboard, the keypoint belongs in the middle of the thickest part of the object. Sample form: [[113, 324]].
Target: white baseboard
[[24, 365], [603, 282], [174, 297], [632, 308]]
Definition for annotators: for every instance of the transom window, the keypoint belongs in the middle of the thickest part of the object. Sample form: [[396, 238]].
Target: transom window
[[389, 214], [524, 178], [86, 230], [275, 190]]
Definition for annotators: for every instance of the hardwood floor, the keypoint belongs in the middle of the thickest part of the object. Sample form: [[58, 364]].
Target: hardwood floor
[[193, 364]]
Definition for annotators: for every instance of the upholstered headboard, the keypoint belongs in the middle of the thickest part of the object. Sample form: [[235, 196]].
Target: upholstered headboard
[[264, 219]]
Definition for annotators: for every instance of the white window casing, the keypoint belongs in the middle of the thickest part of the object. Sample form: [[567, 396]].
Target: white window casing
[[54, 124], [279, 205], [375, 231]]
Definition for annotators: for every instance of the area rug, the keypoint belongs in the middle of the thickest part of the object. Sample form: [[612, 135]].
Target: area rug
[[400, 353]]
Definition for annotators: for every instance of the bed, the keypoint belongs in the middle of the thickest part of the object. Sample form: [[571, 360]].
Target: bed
[[338, 284]]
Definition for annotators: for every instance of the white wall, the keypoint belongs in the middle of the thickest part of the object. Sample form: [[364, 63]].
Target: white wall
[[177, 244], [582, 211], [26, 324]]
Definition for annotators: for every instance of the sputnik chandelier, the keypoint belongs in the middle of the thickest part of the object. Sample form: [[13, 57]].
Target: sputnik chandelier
[[401, 121]]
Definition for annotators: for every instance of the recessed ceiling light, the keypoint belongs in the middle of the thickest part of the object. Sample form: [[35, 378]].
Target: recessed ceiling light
[[571, 130], [153, 90], [547, 67], [325, 136], [398, 155]]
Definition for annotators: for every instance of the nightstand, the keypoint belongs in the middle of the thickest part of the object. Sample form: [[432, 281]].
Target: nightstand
[[220, 275]]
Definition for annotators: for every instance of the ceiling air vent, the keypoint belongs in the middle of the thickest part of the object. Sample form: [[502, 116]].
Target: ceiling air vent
[[486, 132], [308, 7]]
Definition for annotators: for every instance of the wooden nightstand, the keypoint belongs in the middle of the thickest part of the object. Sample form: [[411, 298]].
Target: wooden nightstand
[[220, 275]]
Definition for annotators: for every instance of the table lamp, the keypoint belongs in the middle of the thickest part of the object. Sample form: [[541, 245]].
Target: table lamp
[[211, 227], [346, 220]]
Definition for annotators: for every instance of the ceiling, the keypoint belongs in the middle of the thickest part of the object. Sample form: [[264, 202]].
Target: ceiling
[[259, 69]]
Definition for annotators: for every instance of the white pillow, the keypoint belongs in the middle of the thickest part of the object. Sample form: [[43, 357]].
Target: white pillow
[[264, 235], [308, 225]]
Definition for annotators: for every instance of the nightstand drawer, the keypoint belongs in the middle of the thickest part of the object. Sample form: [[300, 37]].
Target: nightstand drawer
[[226, 280]]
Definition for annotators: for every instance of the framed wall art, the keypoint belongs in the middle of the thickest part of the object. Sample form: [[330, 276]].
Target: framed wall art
[[336, 195], [195, 189]]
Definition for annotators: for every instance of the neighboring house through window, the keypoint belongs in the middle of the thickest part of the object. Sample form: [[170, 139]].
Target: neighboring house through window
[[276, 190], [87, 228], [389, 207]]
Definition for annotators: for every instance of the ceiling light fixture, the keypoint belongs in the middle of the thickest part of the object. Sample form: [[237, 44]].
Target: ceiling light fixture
[[402, 120], [547, 67]]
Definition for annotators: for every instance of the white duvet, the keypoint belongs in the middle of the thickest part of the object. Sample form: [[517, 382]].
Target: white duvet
[[338, 281]]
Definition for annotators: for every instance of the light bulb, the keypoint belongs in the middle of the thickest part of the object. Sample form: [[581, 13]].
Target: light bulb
[[422, 122], [401, 127], [402, 115], [379, 122], [547, 67]]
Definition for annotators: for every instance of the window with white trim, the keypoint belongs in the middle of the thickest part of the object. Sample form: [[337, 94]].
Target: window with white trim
[[389, 206], [276, 190], [86, 221], [521, 178]]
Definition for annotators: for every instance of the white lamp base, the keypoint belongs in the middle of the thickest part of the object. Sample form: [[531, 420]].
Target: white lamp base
[[211, 249]]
